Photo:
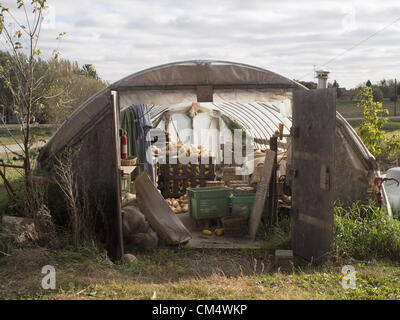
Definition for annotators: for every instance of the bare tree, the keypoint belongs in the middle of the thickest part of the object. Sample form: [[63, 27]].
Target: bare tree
[[19, 34]]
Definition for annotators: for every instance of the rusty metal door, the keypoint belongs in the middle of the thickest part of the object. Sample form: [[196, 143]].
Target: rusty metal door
[[313, 136]]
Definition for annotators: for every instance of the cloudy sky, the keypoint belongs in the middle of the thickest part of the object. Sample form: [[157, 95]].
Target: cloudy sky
[[288, 37]]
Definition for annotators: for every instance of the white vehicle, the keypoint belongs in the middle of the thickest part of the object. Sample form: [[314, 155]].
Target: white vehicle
[[392, 189]]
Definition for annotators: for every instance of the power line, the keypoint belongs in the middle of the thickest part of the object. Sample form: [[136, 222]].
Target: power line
[[354, 46]]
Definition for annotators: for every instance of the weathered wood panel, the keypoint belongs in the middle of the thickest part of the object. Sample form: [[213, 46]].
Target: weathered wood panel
[[261, 195], [98, 162], [314, 114]]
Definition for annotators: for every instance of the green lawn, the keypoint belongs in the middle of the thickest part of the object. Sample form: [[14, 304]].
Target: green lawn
[[15, 178], [349, 109], [390, 126], [39, 133]]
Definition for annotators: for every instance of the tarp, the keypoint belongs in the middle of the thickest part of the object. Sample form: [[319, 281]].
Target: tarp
[[160, 216]]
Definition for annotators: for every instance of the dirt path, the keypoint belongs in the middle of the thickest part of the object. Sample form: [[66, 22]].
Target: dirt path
[[17, 148]]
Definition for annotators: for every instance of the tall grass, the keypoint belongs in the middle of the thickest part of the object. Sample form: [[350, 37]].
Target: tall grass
[[364, 231], [278, 237]]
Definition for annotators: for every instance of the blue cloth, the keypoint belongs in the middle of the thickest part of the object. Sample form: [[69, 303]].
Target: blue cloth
[[143, 126]]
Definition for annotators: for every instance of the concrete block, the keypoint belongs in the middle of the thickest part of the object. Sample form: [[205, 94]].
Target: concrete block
[[284, 260]]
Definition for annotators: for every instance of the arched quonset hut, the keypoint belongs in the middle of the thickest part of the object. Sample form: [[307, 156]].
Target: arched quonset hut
[[253, 97]]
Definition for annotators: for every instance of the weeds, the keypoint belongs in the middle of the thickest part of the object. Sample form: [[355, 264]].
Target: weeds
[[80, 211], [278, 237], [364, 231]]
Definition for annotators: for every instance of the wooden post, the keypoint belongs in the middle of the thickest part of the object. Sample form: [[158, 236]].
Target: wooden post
[[261, 195], [273, 196]]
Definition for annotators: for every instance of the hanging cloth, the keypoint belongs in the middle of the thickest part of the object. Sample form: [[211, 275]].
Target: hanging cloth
[[143, 138]]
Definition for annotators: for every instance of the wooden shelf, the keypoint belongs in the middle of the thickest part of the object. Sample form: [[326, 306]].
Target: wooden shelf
[[128, 169]]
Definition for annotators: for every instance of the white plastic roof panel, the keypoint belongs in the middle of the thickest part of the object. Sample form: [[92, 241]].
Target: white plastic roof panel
[[259, 120]]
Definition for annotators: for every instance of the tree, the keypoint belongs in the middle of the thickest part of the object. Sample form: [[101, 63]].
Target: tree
[[338, 91], [76, 88], [377, 93], [21, 74], [89, 71], [308, 84], [371, 129]]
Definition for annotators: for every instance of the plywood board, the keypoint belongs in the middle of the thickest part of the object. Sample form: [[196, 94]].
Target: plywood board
[[223, 242], [261, 195]]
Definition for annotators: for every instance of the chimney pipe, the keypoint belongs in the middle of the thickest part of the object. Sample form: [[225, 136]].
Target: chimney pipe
[[322, 76]]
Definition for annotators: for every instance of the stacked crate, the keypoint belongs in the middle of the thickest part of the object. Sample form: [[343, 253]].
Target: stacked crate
[[209, 203], [242, 205], [174, 179]]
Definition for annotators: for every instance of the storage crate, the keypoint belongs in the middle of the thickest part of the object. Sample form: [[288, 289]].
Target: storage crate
[[215, 184], [235, 226], [242, 205], [242, 190], [233, 183], [229, 174], [209, 203], [183, 176]]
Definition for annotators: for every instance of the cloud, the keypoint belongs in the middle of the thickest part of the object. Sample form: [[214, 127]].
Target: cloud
[[287, 37]]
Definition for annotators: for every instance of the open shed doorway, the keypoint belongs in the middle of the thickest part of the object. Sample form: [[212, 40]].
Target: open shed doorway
[[231, 139]]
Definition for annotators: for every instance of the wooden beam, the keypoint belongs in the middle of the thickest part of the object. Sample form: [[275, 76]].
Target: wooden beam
[[261, 195]]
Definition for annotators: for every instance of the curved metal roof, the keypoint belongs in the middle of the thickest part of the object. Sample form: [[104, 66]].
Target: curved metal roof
[[202, 72]]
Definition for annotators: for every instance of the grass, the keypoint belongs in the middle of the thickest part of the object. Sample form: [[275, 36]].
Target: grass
[[390, 126], [365, 231], [188, 274], [39, 132], [349, 109], [183, 273], [15, 178]]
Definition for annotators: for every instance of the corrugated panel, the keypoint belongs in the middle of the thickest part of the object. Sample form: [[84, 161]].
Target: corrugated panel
[[259, 120]]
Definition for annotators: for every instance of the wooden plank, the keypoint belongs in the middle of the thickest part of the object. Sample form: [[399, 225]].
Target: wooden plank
[[261, 195], [115, 164], [98, 162], [205, 93]]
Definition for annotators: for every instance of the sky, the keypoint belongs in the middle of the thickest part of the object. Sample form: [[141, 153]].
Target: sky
[[291, 38]]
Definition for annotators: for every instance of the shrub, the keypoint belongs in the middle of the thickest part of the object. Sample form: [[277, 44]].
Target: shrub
[[371, 129], [364, 231]]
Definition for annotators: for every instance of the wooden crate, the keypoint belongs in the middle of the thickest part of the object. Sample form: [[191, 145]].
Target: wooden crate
[[174, 185], [235, 226]]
